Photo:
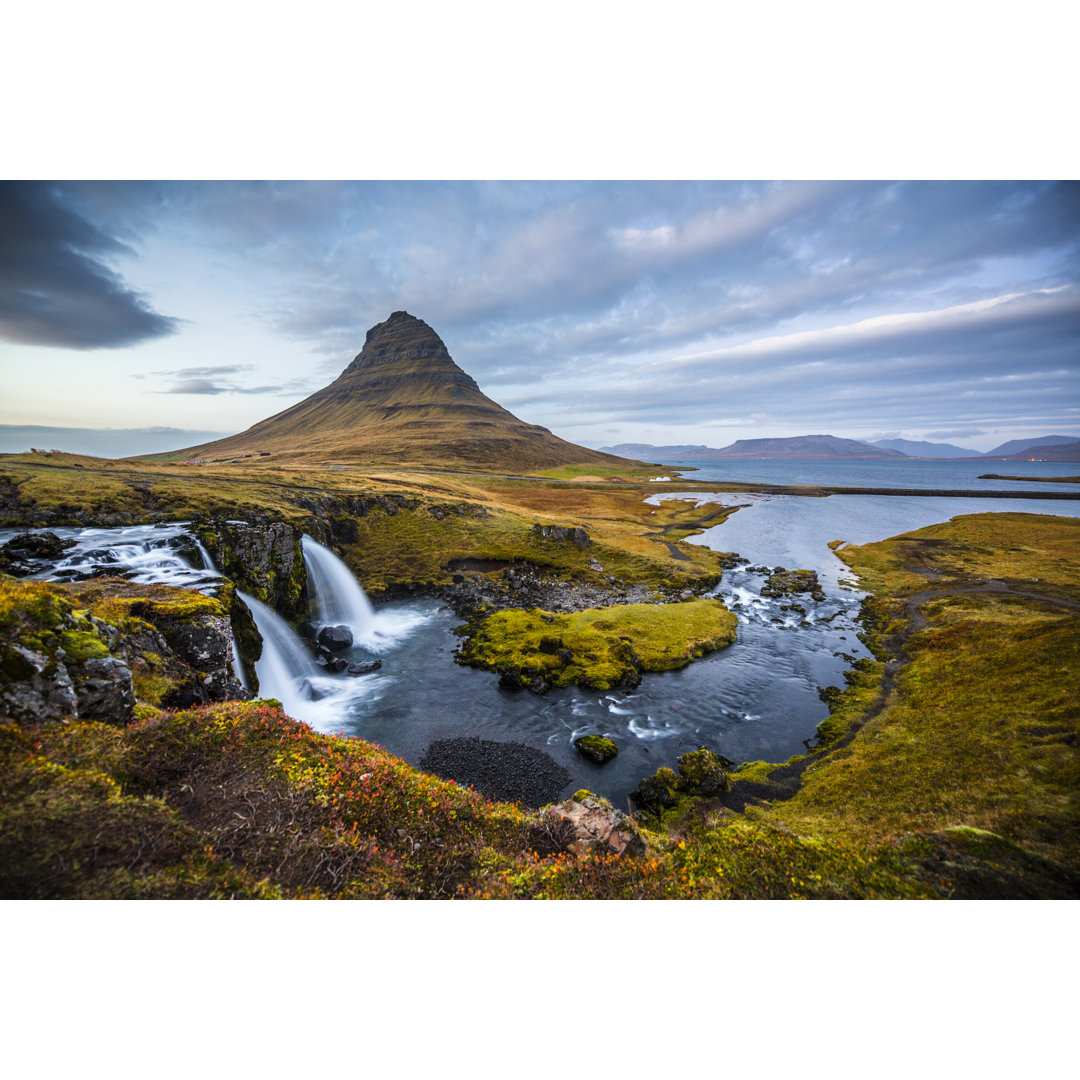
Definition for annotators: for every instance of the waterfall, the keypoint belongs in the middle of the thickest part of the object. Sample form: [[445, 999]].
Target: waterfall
[[286, 668], [336, 596]]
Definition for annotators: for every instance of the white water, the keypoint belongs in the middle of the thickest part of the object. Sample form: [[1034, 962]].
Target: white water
[[336, 596], [336, 599], [287, 671]]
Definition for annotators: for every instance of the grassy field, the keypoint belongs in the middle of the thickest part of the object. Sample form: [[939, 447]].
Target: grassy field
[[948, 768]]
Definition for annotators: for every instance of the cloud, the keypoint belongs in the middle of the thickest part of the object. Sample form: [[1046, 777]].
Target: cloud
[[56, 287]]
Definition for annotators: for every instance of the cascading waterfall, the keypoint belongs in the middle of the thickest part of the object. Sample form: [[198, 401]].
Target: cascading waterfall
[[287, 671], [150, 554], [336, 596]]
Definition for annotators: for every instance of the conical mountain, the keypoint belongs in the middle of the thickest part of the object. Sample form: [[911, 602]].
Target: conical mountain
[[403, 400]]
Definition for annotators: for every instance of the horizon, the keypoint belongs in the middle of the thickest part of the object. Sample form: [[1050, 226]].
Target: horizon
[[618, 312]]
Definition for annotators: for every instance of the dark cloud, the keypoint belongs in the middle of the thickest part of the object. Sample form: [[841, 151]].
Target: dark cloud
[[56, 287]]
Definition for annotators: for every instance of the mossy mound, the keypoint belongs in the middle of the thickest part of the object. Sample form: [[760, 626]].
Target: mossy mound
[[601, 647], [597, 748]]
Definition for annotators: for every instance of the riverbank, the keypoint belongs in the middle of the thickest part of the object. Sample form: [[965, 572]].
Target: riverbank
[[954, 778]]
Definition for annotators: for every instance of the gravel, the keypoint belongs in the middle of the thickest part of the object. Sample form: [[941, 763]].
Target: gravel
[[508, 771]]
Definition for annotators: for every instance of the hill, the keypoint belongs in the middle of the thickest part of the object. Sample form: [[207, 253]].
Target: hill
[[801, 446], [1021, 446], [403, 400], [1069, 451], [919, 449]]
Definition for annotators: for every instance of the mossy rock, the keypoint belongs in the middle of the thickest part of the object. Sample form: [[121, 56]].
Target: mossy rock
[[703, 773], [597, 748], [657, 793]]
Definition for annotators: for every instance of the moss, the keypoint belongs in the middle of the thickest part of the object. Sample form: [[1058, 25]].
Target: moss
[[597, 748], [82, 645], [600, 647]]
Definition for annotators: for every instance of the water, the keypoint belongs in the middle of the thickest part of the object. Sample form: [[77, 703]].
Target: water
[[756, 699], [889, 473]]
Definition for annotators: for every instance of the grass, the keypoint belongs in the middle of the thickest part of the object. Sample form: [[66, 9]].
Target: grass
[[600, 647], [982, 728]]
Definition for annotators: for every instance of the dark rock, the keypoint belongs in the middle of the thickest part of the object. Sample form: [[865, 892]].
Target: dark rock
[[656, 793], [309, 630], [30, 552], [335, 637], [564, 534], [264, 558], [788, 582], [104, 690], [363, 667], [336, 664], [597, 748]]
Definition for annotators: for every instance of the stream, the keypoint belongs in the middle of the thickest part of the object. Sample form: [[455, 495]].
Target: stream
[[756, 699]]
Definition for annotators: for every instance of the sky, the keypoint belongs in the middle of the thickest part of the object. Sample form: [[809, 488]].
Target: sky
[[608, 311]]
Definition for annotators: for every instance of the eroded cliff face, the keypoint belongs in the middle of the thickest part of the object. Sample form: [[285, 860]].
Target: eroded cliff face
[[102, 648], [265, 559]]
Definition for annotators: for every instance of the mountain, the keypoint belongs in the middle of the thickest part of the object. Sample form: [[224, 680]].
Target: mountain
[[647, 452], [1021, 446], [926, 449], [404, 400], [801, 446], [1069, 451]]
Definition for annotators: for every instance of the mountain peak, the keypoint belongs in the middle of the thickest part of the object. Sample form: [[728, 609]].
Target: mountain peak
[[403, 399]]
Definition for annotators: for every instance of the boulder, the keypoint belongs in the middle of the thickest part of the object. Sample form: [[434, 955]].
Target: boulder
[[335, 638], [656, 793], [596, 748], [701, 772], [563, 533], [587, 823], [104, 690]]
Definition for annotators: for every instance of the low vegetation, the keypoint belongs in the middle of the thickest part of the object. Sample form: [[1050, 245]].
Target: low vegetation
[[947, 767], [601, 647]]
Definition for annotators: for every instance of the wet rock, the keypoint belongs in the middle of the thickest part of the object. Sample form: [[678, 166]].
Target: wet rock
[[363, 667], [264, 558], [788, 582], [597, 748], [656, 793], [335, 638], [30, 553]]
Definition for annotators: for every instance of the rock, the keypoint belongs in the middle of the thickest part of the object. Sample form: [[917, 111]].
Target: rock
[[30, 552], [588, 823], [104, 690], [264, 558], [787, 582], [704, 773], [335, 637], [656, 793], [363, 667], [563, 533], [596, 748], [336, 664]]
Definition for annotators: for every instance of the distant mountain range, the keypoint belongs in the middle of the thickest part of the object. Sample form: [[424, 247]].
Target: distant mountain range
[[926, 449], [1022, 446], [814, 447], [825, 447]]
